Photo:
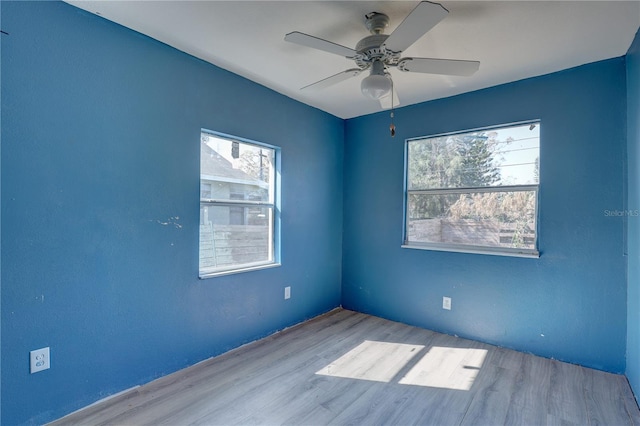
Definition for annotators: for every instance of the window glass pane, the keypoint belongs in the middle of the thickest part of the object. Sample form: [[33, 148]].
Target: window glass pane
[[494, 157], [234, 237], [488, 219], [205, 190], [235, 170]]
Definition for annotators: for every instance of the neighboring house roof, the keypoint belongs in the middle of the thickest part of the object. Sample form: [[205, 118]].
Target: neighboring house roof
[[214, 166]]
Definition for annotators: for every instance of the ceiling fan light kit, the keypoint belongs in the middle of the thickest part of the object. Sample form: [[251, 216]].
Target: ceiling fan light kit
[[377, 84], [380, 52]]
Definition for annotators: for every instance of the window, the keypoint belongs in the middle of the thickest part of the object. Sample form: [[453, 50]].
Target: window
[[238, 207], [475, 191]]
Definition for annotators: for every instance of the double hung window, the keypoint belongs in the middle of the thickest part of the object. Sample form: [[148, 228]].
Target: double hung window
[[237, 205], [474, 191]]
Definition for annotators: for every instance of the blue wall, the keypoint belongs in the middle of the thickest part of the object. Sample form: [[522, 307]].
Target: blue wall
[[633, 229], [100, 143], [570, 303]]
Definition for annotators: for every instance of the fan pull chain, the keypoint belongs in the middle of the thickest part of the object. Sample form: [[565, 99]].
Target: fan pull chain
[[392, 127]]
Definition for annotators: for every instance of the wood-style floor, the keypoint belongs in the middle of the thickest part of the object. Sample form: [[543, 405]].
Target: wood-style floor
[[350, 368]]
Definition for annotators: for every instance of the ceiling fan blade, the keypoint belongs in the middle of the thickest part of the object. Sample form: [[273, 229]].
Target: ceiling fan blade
[[334, 79], [320, 44], [385, 102], [439, 66], [421, 19]]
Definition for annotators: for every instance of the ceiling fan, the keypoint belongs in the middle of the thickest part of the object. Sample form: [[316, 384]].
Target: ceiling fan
[[379, 52]]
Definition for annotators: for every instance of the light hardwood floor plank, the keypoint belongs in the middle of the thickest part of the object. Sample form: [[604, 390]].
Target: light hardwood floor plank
[[529, 401], [606, 409], [630, 403], [604, 397], [492, 398], [566, 393], [436, 406]]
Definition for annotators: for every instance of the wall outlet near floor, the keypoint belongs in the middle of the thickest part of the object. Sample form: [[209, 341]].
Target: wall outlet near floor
[[39, 360], [446, 303], [287, 293]]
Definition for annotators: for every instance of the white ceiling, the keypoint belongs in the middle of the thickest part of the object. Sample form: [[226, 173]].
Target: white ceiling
[[512, 40]]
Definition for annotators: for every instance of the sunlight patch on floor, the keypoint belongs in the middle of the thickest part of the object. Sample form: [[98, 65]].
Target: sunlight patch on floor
[[371, 360], [450, 368], [440, 367]]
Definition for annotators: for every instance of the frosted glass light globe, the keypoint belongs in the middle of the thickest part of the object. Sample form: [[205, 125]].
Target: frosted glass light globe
[[375, 86]]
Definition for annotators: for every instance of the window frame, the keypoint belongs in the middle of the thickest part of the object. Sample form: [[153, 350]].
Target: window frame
[[273, 204], [469, 248]]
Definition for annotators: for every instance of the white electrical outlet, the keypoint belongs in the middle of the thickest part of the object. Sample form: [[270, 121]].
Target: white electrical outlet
[[446, 303], [39, 360], [287, 293]]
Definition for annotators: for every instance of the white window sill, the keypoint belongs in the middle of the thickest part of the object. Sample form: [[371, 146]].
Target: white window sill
[[528, 253], [205, 275]]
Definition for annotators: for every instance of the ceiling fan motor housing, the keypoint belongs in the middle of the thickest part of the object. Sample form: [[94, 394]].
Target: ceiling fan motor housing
[[371, 48]]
